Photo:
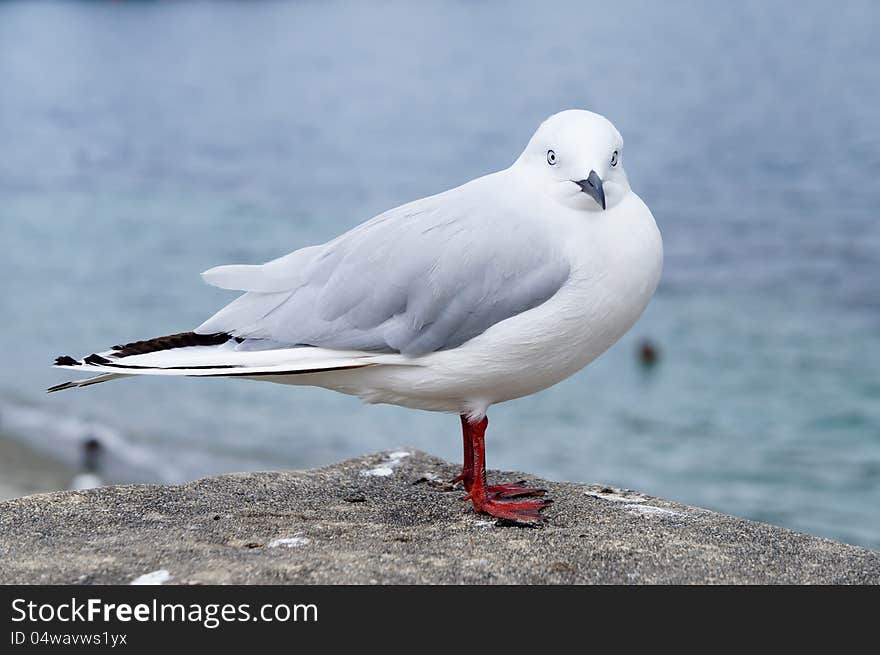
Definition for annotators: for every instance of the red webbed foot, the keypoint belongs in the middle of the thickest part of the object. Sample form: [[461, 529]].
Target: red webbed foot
[[513, 490], [521, 512]]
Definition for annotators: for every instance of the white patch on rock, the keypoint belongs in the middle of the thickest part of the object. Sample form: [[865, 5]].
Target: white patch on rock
[[651, 510], [616, 497], [485, 524], [155, 578], [387, 467], [378, 472], [289, 542]]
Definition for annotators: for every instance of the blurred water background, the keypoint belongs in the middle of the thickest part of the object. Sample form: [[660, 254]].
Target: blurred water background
[[144, 142]]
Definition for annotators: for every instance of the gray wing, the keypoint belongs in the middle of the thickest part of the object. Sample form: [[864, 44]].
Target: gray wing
[[417, 279]]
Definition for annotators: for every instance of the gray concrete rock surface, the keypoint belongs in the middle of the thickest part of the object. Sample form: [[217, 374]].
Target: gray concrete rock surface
[[392, 518]]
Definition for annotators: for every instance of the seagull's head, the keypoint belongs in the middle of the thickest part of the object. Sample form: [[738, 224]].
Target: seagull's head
[[576, 157]]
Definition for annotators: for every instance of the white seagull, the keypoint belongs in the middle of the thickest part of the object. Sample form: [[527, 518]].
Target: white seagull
[[490, 291]]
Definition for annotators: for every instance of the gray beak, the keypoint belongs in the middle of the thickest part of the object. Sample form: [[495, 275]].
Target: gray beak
[[592, 186]]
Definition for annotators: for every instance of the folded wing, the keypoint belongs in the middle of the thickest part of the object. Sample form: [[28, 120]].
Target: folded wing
[[423, 277]]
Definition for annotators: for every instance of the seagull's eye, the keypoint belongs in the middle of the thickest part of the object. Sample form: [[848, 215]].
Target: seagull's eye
[[551, 157], [614, 157]]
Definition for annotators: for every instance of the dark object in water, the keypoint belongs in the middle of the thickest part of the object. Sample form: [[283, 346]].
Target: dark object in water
[[649, 354], [92, 451]]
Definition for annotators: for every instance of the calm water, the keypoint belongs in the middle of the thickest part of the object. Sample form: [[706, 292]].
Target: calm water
[[141, 143]]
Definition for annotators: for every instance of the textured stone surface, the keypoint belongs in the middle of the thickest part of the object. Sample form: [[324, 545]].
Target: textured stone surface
[[391, 518]]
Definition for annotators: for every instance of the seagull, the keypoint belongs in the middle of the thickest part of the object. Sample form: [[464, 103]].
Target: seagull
[[490, 291]]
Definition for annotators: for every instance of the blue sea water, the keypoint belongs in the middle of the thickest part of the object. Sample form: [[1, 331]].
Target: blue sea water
[[144, 142]]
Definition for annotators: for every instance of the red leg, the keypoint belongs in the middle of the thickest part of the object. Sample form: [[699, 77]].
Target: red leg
[[507, 490], [493, 501], [467, 466]]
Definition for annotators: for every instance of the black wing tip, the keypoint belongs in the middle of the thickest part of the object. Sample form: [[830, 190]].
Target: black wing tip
[[169, 342], [61, 387]]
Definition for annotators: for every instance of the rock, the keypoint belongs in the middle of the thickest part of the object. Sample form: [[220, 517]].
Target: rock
[[393, 518]]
